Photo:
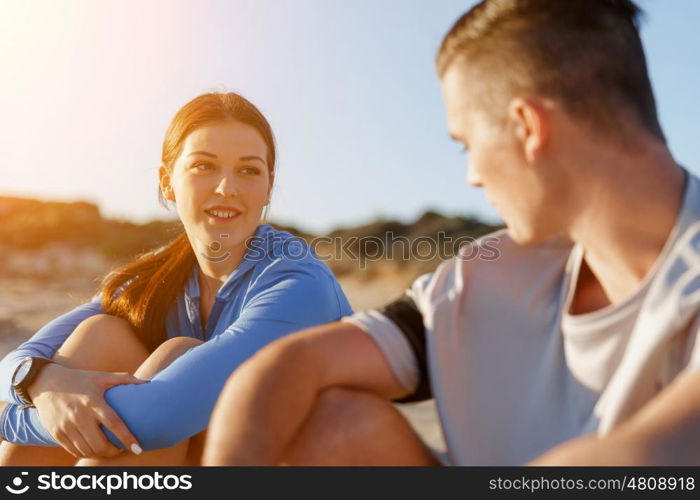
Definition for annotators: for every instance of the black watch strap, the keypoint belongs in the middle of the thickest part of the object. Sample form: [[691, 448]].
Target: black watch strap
[[21, 388]]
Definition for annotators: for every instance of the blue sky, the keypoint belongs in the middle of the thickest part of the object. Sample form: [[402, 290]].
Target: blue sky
[[87, 89]]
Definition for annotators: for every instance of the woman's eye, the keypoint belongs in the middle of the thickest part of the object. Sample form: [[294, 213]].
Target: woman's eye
[[250, 170], [202, 167]]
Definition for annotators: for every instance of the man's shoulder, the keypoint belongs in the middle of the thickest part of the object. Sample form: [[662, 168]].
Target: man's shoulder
[[498, 254], [495, 262]]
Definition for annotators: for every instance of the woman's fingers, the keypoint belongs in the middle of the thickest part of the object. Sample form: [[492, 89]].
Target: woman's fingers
[[81, 443], [98, 442], [66, 444], [109, 418], [111, 379], [73, 442], [78, 413]]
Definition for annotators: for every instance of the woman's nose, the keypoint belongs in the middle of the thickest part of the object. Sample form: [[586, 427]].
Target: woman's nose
[[226, 186]]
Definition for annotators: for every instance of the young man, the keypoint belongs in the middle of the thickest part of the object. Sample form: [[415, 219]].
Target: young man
[[578, 345]]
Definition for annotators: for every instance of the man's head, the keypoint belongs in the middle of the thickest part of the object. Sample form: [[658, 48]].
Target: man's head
[[519, 75]]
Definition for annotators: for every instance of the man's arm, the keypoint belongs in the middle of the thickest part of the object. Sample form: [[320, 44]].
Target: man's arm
[[666, 431], [266, 401]]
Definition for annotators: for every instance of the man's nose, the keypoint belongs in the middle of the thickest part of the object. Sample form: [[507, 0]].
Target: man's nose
[[473, 178]]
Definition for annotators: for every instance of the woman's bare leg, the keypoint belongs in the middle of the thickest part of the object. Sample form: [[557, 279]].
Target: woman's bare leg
[[101, 342], [166, 353], [195, 452]]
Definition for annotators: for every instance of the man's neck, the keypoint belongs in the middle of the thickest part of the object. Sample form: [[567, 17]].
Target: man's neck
[[628, 218]]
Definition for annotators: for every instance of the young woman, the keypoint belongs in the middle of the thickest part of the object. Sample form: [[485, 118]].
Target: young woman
[[180, 319]]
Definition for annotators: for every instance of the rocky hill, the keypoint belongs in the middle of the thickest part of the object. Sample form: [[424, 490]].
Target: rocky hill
[[41, 238]]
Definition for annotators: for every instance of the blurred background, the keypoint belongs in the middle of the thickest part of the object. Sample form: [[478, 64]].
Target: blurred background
[[88, 87]]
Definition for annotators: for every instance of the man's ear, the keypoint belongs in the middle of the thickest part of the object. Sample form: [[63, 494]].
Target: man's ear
[[165, 187], [531, 125]]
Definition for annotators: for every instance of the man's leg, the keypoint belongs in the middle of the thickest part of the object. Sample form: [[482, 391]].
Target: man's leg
[[348, 427], [101, 342]]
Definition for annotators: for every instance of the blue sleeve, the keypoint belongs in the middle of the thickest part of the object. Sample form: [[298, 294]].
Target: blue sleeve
[[178, 401], [44, 344]]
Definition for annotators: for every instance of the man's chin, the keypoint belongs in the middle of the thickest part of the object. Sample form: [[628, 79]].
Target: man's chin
[[530, 237], [523, 238]]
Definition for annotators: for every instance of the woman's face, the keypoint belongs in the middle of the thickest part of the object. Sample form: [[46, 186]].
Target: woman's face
[[220, 184]]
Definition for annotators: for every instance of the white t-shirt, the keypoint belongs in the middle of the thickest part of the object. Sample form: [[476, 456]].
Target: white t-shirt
[[513, 374]]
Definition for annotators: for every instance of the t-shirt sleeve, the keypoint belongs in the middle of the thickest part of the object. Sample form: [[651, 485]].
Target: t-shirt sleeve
[[399, 331]]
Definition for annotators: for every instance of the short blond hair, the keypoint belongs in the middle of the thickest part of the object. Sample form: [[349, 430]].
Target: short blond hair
[[586, 54]]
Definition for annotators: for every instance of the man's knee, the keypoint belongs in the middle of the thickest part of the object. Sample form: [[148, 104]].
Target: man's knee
[[363, 409], [349, 427]]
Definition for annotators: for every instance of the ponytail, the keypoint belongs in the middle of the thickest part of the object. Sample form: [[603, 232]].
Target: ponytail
[[143, 291]]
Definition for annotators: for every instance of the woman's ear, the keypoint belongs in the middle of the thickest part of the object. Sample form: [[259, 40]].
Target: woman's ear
[[165, 187], [269, 189]]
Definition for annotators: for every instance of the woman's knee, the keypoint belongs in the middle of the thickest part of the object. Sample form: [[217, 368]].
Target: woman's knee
[[165, 354], [175, 347], [103, 342], [103, 329]]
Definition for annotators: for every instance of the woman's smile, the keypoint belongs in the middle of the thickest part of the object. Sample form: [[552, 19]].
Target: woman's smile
[[223, 214]]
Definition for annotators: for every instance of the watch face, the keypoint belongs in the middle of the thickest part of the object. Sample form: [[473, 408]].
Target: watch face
[[22, 371]]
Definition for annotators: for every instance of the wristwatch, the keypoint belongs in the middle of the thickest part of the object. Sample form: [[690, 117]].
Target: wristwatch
[[24, 375]]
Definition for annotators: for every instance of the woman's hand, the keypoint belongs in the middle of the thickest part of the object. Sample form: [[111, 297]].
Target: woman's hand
[[71, 406]]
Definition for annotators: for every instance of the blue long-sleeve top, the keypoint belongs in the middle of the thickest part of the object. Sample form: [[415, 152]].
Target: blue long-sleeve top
[[280, 287]]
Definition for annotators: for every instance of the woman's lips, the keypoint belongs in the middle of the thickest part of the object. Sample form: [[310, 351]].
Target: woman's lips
[[222, 215]]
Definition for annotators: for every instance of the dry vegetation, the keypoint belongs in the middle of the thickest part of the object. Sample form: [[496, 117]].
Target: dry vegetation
[[53, 256]]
